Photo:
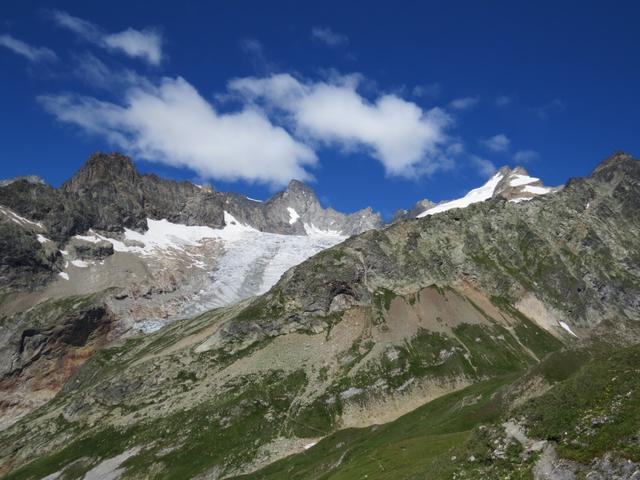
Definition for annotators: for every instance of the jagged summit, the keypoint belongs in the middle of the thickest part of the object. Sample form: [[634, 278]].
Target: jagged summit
[[103, 167]]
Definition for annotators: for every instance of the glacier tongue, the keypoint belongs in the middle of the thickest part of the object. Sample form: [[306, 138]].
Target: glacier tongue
[[252, 263], [248, 262]]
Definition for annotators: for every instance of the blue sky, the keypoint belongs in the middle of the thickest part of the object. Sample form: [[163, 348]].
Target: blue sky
[[377, 104]]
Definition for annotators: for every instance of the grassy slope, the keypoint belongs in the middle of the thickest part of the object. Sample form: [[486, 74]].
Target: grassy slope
[[227, 430], [398, 449], [593, 408]]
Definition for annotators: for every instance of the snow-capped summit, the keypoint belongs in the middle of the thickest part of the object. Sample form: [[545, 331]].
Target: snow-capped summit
[[515, 185]]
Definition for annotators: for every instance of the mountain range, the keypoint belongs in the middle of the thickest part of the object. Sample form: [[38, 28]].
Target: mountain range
[[162, 329]]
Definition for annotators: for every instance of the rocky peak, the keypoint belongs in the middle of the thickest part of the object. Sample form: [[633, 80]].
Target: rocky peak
[[418, 207], [298, 196], [31, 179], [517, 185], [620, 164], [103, 168]]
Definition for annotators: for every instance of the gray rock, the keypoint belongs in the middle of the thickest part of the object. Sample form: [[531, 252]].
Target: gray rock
[[85, 250]]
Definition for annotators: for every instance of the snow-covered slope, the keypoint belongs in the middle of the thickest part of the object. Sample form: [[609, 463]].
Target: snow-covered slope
[[476, 195], [515, 185]]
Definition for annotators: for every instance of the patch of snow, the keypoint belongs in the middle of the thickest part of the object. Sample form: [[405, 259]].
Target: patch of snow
[[79, 263], [518, 180], [351, 392], [64, 275], [110, 469], [518, 200], [476, 195], [293, 216], [405, 384], [163, 235], [149, 326], [19, 219], [567, 328], [64, 252], [53, 476], [309, 445], [42, 238], [536, 190], [314, 231]]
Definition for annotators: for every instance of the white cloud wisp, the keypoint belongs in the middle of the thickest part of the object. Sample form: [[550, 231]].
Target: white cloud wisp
[[143, 44], [327, 36], [32, 53], [173, 124]]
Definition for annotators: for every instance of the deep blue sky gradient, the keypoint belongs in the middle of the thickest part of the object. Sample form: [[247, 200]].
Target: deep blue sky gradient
[[572, 70]]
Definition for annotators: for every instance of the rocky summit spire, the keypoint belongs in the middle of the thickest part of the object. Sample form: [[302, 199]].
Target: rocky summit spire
[[103, 167]]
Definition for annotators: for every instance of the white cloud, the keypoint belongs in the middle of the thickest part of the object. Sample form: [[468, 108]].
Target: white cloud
[[455, 149], [255, 51], [173, 124], [144, 44], [525, 156], [92, 70], [485, 167], [549, 108], [503, 101], [431, 90], [464, 103], [329, 37], [405, 139], [497, 143], [30, 52]]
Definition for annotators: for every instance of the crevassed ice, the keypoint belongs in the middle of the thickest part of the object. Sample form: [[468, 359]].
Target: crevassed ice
[[252, 261]]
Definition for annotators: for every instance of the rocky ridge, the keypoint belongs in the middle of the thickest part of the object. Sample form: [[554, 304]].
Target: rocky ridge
[[360, 334], [514, 185]]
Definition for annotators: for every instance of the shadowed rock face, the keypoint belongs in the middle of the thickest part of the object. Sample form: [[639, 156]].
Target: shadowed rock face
[[42, 347], [119, 197]]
